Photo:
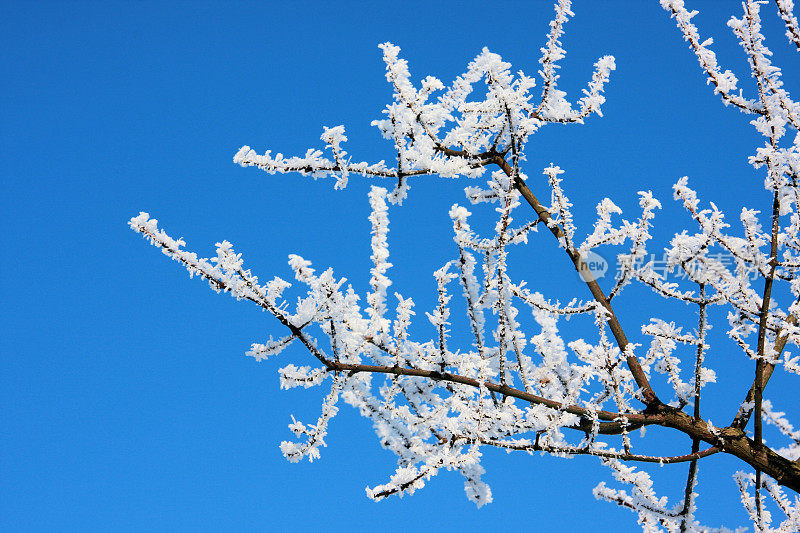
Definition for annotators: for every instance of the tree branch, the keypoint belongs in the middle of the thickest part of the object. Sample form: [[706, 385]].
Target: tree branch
[[633, 418], [573, 450], [635, 367]]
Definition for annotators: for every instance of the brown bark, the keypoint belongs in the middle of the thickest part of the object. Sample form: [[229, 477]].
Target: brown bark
[[597, 293], [735, 442], [727, 440]]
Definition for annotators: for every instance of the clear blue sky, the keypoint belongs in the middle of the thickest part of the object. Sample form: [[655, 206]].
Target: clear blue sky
[[126, 400]]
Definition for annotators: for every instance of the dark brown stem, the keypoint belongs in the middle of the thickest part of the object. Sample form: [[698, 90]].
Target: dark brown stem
[[735, 442], [691, 478], [633, 418], [639, 376], [688, 493], [571, 450], [744, 414]]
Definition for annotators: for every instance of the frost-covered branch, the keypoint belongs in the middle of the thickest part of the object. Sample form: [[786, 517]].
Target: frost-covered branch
[[521, 378], [786, 11], [725, 83]]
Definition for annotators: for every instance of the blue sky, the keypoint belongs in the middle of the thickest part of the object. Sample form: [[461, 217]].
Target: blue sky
[[127, 402]]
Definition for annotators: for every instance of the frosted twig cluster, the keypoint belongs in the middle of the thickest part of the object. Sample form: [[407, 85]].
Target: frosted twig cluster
[[437, 401]]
